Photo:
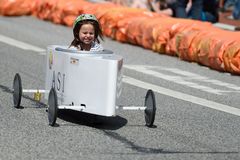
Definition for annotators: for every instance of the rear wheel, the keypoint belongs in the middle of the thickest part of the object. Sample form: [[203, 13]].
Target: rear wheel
[[150, 110], [17, 90], [52, 107]]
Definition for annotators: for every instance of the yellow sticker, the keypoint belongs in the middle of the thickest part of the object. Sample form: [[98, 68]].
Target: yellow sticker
[[74, 60], [37, 96]]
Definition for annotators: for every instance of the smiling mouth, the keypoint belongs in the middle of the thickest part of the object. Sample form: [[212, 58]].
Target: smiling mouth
[[87, 40]]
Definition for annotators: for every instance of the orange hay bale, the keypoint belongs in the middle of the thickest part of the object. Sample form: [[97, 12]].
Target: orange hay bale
[[69, 20], [16, 7], [94, 8], [134, 35], [112, 17], [184, 48], [140, 30], [161, 34], [121, 33], [147, 31], [183, 25], [231, 58], [218, 45], [65, 8]]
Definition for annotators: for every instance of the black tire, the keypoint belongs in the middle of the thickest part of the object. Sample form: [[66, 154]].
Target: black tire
[[150, 110], [17, 90], [52, 107]]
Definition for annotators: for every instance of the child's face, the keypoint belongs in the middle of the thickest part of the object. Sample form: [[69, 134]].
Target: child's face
[[86, 33]]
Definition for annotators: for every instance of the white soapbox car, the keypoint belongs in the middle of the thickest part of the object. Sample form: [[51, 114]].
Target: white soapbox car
[[84, 81]]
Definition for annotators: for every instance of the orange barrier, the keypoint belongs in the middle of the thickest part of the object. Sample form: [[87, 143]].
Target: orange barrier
[[208, 47], [59, 11], [133, 29], [190, 40], [231, 58], [114, 21], [16, 7], [144, 30]]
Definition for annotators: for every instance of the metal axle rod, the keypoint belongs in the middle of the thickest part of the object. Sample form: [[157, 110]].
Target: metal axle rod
[[131, 107], [34, 91]]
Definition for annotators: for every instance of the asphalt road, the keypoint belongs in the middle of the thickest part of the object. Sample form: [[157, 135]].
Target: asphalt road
[[197, 108]]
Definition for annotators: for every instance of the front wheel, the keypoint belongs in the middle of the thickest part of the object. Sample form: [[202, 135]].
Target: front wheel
[[52, 107], [150, 110], [17, 90]]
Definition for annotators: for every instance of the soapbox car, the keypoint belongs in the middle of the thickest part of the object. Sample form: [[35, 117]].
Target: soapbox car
[[84, 81]]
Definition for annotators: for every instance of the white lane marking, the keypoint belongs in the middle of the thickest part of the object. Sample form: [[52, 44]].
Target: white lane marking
[[22, 45], [183, 78], [158, 89], [182, 96], [193, 76], [175, 79]]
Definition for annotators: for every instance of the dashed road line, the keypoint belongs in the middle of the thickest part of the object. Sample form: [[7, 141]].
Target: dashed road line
[[22, 45], [185, 78]]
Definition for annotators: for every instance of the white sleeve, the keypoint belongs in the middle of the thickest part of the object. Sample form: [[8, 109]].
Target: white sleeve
[[73, 48], [96, 47]]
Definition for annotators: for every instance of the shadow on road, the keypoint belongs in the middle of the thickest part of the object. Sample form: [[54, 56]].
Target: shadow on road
[[96, 121]]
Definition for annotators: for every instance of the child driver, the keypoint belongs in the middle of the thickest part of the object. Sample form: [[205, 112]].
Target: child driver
[[86, 30]]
